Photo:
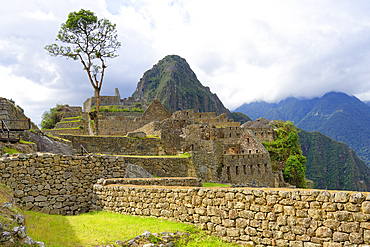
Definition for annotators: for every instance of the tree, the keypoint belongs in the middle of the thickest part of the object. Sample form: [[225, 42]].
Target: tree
[[287, 151], [51, 117], [92, 42]]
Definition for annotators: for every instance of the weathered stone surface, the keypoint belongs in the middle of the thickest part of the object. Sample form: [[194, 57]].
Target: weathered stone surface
[[340, 236], [137, 134], [357, 198], [366, 207], [341, 197], [355, 238], [323, 232]]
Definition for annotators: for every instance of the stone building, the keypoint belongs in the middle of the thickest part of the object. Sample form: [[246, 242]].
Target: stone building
[[116, 100], [228, 154], [221, 150]]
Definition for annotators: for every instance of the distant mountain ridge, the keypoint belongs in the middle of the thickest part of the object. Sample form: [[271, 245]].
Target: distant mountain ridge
[[332, 165], [337, 115], [176, 86]]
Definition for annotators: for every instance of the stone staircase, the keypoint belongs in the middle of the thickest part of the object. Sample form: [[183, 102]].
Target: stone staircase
[[74, 123]]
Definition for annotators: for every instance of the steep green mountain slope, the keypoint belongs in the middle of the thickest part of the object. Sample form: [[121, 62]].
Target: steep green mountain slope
[[176, 86], [337, 115], [332, 165]]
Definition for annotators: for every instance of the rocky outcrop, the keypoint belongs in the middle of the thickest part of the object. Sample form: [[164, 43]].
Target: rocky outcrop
[[13, 232], [48, 144], [133, 171]]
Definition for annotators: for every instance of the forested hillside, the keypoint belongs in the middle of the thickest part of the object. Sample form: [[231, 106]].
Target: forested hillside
[[337, 115], [331, 164]]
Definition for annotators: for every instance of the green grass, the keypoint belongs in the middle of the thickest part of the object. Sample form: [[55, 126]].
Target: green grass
[[210, 185], [10, 150], [150, 156], [79, 117], [58, 138], [153, 136], [76, 128], [74, 121], [95, 228], [25, 142]]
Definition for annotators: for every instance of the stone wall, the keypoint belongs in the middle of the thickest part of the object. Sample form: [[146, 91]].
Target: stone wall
[[188, 181], [63, 131], [163, 166], [57, 184], [269, 217], [104, 100], [119, 125], [155, 112], [264, 134], [116, 144], [249, 169], [8, 111]]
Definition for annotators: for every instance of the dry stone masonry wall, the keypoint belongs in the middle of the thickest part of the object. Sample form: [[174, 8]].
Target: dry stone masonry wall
[[186, 181], [57, 184], [252, 217]]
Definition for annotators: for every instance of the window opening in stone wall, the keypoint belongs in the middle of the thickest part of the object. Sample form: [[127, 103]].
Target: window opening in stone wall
[[252, 169], [236, 170], [230, 134], [265, 168], [245, 169], [250, 151], [228, 174], [262, 134], [248, 140], [256, 151], [200, 116], [259, 168]]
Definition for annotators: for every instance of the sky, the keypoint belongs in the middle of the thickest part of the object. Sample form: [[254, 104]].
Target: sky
[[243, 50]]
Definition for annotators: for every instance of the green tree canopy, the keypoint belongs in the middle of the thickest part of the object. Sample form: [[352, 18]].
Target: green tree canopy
[[91, 41], [51, 117], [286, 153]]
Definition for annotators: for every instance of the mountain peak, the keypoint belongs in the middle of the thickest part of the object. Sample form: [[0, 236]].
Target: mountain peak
[[176, 86]]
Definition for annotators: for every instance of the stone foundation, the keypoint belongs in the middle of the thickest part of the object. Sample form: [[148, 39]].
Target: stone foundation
[[265, 217]]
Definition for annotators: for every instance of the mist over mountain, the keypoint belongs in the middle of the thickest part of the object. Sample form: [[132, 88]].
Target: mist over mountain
[[339, 116]]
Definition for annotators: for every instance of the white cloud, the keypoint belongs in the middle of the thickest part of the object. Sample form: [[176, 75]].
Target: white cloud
[[243, 50]]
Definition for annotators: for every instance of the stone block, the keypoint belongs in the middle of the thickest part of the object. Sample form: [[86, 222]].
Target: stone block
[[365, 207], [309, 244], [357, 198], [349, 227], [232, 232], [356, 238], [343, 216], [323, 232], [241, 223], [296, 244], [332, 244], [340, 236]]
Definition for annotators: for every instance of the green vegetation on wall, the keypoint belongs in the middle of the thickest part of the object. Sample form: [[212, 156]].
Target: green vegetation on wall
[[51, 117], [286, 153], [116, 108]]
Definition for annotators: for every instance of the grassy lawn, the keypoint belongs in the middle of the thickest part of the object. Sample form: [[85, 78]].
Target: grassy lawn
[[97, 228], [214, 185], [10, 150], [185, 155]]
